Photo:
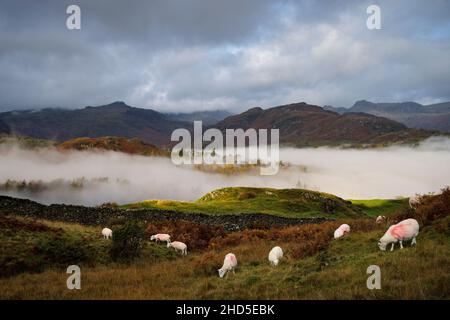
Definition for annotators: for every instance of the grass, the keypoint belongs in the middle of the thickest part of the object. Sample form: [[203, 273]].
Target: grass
[[339, 272], [376, 207], [280, 202], [315, 266]]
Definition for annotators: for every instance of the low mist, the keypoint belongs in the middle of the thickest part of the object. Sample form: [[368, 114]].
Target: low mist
[[93, 178]]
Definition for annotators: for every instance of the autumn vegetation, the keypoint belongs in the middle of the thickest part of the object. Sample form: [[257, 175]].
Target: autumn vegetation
[[34, 255]]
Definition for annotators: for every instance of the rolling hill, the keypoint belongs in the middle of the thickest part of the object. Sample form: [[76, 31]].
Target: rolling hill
[[129, 146], [115, 119], [411, 114], [290, 203], [302, 124]]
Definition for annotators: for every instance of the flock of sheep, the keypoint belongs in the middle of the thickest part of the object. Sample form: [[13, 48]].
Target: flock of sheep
[[403, 231]]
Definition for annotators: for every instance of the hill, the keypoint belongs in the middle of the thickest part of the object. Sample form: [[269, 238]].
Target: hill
[[411, 114], [115, 119], [291, 203], [118, 144], [208, 118], [301, 124], [314, 266]]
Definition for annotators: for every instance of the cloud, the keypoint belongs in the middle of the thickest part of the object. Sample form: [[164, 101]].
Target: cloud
[[203, 55], [121, 178]]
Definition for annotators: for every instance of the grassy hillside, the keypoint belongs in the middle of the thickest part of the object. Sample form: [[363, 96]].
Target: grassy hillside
[[376, 207], [118, 144], [281, 202], [314, 267]]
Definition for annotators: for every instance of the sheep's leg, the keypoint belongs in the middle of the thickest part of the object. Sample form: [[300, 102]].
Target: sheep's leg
[[392, 247], [413, 242], [401, 244]]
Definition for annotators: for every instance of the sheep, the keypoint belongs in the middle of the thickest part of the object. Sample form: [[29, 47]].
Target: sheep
[[177, 245], [229, 263], [341, 231], [160, 237], [414, 201], [275, 255], [107, 233], [403, 231], [380, 219]]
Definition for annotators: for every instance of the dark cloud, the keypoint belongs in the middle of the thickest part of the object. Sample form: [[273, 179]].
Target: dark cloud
[[197, 54]]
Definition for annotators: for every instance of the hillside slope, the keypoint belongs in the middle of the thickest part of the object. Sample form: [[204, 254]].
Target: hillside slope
[[118, 144], [115, 119], [412, 114], [291, 203], [302, 124], [314, 266]]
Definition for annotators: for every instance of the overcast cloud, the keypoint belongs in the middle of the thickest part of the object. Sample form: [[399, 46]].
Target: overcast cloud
[[191, 55]]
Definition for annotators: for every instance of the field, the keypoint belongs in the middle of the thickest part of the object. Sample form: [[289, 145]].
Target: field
[[314, 267], [289, 203]]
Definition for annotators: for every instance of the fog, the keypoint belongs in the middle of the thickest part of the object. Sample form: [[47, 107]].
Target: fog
[[93, 178]]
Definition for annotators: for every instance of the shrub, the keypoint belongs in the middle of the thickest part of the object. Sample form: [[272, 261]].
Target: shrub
[[127, 242], [63, 250], [431, 208], [246, 195], [196, 235], [112, 205]]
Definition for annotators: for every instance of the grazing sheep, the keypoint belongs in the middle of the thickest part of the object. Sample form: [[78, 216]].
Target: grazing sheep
[[275, 255], [414, 201], [177, 245], [341, 231], [403, 231], [160, 237], [380, 219], [107, 233], [229, 263]]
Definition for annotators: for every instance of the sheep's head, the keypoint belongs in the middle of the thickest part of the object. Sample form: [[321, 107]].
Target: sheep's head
[[153, 237], [221, 272], [382, 245], [275, 262], [168, 244]]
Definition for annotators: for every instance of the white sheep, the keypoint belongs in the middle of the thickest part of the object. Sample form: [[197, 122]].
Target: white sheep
[[229, 263], [107, 233], [160, 237], [275, 255], [341, 231], [178, 246], [380, 219], [403, 231], [414, 201]]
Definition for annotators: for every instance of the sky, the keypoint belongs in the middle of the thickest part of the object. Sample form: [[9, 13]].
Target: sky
[[195, 55]]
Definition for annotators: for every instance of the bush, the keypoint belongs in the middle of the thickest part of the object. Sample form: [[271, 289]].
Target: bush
[[196, 235], [430, 209], [127, 242], [63, 250], [245, 195]]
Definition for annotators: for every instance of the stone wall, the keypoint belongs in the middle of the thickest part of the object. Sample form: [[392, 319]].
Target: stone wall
[[105, 216]]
